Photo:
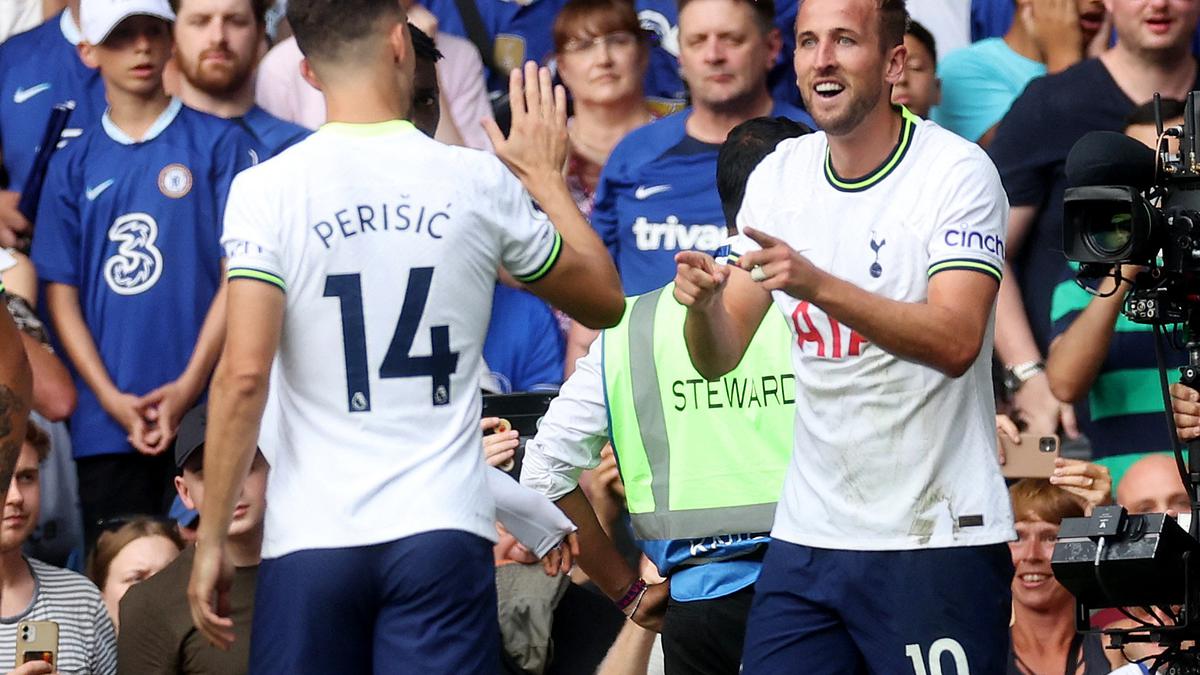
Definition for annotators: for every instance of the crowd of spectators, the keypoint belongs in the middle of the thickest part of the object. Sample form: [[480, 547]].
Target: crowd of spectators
[[110, 476]]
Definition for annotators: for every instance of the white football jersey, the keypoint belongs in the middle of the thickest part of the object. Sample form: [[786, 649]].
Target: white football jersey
[[387, 245], [890, 454]]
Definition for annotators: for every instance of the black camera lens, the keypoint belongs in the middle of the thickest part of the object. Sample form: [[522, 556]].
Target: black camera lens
[[1047, 444], [1113, 238]]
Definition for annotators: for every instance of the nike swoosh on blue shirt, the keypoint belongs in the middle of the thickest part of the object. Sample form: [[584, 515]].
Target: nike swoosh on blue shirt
[[94, 192], [642, 192], [22, 95]]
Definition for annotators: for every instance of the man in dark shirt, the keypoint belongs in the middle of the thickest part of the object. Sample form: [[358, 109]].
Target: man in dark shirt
[[1152, 54], [157, 634]]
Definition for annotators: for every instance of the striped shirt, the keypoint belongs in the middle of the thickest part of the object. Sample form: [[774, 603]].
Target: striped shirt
[[87, 642]]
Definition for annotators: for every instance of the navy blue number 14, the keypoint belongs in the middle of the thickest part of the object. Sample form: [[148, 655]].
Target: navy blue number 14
[[439, 365]]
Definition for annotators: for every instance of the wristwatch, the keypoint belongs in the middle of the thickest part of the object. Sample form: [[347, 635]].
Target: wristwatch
[[1019, 374]]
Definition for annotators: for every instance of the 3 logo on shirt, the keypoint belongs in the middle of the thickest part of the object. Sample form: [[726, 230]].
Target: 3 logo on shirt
[[175, 181], [138, 263]]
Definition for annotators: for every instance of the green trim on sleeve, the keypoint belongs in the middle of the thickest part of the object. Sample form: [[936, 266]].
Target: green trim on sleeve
[[555, 253], [964, 264], [257, 275]]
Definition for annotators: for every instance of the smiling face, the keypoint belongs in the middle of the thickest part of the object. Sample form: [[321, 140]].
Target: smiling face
[[1034, 585], [842, 69]]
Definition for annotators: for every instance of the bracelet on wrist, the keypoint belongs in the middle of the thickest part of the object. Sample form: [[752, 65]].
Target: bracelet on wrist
[[633, 593]]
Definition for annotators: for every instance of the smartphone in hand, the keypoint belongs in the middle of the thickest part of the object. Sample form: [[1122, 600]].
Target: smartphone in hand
[[1033, 457]]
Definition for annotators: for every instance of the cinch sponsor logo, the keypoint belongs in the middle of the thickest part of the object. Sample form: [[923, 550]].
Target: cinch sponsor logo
[[976, 240], [673, 235]]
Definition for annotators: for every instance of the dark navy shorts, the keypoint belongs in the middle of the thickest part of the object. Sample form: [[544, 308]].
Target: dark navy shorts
[[422, 604], [926, 612]]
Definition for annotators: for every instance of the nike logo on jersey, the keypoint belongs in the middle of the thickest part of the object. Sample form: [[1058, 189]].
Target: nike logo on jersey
[[94, 192], [643, 192], [22, 95]]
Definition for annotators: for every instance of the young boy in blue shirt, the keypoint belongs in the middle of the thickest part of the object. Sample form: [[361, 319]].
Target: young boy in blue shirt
[[128, 243]]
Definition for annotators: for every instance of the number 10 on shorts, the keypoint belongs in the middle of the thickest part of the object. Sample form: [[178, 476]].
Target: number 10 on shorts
[[937, 650]]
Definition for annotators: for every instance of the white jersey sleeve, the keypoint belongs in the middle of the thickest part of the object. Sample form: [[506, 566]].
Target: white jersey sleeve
[[529, 243], [251, 239], [968, 233], [572, 433], [529, 516]]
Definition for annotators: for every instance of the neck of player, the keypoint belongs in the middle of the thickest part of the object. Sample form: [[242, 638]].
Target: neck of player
[[366, 96], [859, 151], [17, 590], [1038, 635], [1142, 73], [245, 550], [712, 124], [135, 113], [227, 106]]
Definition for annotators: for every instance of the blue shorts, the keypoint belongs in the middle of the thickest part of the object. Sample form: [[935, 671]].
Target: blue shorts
[[892, 612], [421, 604]]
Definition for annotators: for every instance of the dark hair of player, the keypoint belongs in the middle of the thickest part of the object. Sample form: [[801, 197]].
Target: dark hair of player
[[893, 23], [333, 30], [922, 35], [423, 45], [747, 145]]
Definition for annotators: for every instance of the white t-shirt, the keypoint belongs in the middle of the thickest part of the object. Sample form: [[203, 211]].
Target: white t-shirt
[[387, 244], [890, 454]]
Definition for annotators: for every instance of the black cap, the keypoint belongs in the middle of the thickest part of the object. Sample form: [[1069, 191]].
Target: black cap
[[191, 434]]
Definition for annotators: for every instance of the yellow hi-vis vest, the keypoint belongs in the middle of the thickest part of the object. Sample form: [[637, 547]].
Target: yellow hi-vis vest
[[698, 458]]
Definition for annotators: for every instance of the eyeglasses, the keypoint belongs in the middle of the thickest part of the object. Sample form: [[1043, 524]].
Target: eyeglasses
[[618, 40]]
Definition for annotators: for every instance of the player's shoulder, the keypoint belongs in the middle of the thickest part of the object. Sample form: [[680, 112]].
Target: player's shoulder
[[60, 582], [937, 146]]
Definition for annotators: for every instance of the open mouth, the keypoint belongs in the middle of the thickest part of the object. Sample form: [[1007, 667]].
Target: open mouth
[[1033, 578], [1159, 25], [828, 90], [1091, 23]]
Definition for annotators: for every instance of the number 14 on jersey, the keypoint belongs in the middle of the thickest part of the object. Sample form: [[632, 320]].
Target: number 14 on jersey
[[398, 362]]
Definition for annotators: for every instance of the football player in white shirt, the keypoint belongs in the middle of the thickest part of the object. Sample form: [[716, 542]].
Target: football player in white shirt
[[882, 240], [366, 255]]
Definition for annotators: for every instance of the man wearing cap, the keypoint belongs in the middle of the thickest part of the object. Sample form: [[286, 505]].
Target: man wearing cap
[[128, 244], [157, 633]]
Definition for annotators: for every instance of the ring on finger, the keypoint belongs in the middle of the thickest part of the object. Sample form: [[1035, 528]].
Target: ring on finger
[[757, 273]]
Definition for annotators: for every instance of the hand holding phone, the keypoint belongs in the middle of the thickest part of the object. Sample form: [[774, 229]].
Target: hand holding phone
[[1032, 457]]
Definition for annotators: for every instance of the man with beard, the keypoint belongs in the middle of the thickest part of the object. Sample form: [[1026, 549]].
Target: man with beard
[[881, 239], [216, 50]]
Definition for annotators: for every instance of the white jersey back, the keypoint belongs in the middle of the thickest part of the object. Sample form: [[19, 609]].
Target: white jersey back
[[387, 245], [889, 454]]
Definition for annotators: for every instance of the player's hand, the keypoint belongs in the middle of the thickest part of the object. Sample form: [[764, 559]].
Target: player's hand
[[560, 558], [699, 279], [163, 408], [15, 229], [1041, 412], [125, 410], [1007, 428], [536, 147], [1090, 482], [208, 593], [500, 447], [33, 668], [652, 609], [1185, 403], [778, 266]]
